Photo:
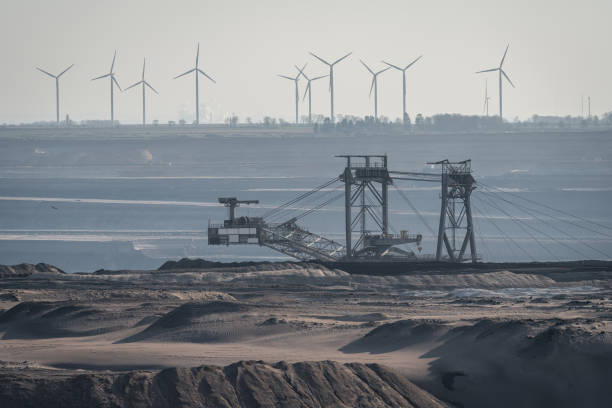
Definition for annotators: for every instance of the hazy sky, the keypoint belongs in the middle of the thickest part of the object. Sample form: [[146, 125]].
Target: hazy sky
[[559, 51]]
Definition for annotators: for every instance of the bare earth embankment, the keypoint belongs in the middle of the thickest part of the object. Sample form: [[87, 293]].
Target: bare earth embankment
[[297, 334]]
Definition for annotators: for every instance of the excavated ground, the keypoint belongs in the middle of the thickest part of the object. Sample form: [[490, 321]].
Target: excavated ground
[[295, 334]]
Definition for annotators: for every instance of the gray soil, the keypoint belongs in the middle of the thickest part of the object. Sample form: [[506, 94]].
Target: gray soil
[[242, 384], [501, 336]]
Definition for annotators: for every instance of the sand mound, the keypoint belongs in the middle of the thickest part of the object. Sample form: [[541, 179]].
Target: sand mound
[[243, 384], [358, 317], [9, 297], [397, 335], [524, 362], [202, 322], [186, 264], [36, 320], [25, 269], [519, 362]]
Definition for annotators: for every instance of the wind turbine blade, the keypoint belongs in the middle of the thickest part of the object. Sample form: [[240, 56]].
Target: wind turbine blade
[[185, 73], [392, 66], [320, 59], [131, 86], [413, 62], [301, 71], [198, 55], [116, 83], [45, 72], [372, 86], [287, 77], [340, 59], [206, 75], [306, 90], [486, 99], [383, 70], [488, 70], [368, 68], [100, 77], [504, 57], [144, 62], [113, 63], [506, 76], [319, 77], [153, 89], [64, 71]]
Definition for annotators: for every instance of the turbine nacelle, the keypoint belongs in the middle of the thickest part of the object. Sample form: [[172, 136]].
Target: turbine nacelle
[[406, 67], [110, 74], [143, 81], [331, 79], [503, 74], [331, 66], [56, 77], [197, 71], [309, 80], [374, 74], [297, 93]]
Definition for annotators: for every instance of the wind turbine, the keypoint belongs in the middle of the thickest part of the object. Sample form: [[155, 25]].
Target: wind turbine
[[113, 81], [297, 92], [486, 100], [144, 85], [403, 70], [501, 72], [197, 71], [374, 86], [308, 90], [331, 78], [56, 77]]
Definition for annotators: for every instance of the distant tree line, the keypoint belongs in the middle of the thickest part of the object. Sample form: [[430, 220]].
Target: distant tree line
[[350, 124]]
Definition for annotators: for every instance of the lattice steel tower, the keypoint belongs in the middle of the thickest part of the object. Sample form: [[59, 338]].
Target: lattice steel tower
[[366, 184], [456, 224]]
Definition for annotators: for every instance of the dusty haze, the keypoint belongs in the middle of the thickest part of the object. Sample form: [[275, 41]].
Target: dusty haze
[[559, 51]]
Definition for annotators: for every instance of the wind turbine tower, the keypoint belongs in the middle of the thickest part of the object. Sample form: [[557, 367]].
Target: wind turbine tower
[[113, 82], [486, 100], [56, 77], [501, 73], [589, 100], [297, 91], [309, 90], [374, 86], [197, 71], [331, 79], [144, 84], [403, 70]]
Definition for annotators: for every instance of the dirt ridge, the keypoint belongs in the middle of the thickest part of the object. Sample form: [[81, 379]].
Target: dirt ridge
[[242, 384]]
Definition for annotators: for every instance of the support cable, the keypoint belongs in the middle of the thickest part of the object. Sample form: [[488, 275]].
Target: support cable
[[556, 210], [520, 224], [506, 236], [300, 197], [481, 238], [308, 200], [479, 214], [319, 206], [401, 193], [305, 205], [528, 211]]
